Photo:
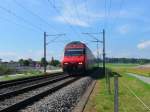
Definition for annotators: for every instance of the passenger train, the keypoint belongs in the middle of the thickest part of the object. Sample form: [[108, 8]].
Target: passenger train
[[77, 58]]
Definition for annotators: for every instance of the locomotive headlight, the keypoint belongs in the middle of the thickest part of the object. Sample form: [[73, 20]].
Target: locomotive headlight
[[80, 63], [66, 63]]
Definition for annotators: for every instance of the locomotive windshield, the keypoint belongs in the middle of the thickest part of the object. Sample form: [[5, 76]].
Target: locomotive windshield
[[74, 52]]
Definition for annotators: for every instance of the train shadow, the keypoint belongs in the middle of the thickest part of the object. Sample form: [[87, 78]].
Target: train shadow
[[97, 73]]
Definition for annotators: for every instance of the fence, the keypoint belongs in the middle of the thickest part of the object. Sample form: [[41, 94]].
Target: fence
[[129, 91]]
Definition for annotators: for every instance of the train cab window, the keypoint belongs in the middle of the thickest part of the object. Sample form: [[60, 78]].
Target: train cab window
[[74, 52]]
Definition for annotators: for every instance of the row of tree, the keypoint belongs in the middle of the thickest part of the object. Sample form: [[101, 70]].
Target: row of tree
[[127, 60], [30, 62], [53, 62]]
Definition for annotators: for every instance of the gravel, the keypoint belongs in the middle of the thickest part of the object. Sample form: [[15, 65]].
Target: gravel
[[63, 100], [7, 102]]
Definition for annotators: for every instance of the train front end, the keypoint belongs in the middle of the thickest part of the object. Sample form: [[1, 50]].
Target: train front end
[[74, 60]]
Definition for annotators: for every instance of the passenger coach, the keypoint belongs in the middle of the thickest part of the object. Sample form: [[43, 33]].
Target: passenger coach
[[77, 58]]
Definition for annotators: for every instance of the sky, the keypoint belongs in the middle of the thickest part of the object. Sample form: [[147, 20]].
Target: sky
[[23, 23]]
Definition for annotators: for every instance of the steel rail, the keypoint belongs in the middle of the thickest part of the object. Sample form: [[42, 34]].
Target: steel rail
[[25, 80], [22, 104], [34, 86]]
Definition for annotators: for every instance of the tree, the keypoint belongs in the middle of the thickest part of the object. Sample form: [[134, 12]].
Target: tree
[[26, 63], [43, 61], [31, 62], [21, 62], [54, 62]]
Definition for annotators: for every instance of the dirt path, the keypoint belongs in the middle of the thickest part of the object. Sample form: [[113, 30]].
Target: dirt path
[[144, 79]]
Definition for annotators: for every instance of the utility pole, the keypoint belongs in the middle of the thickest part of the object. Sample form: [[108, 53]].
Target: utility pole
[[116, 93], [104, 58], [45, 44], [45, 64], [98, 54], [104, 65], [103, 51], [104, 68]]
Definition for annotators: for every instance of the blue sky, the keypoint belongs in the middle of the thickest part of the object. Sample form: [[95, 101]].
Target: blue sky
[[22, 23]]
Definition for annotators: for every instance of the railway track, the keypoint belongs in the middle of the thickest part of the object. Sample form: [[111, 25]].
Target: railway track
[[5, 84], [16, 99]]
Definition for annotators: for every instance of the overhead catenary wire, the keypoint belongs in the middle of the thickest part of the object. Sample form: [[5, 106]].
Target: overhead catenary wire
[[109, 9], [105, 17], [104, 22], [87, 9], [117, 16], [18, 24], [76, 9], [21, 18], [72, 28], [34, 14], [77, 12], [88, 13]]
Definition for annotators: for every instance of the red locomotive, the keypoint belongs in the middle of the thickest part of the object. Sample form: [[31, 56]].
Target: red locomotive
[[77, 57]]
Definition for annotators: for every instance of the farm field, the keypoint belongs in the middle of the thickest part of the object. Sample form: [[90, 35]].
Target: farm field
[[130, 68]]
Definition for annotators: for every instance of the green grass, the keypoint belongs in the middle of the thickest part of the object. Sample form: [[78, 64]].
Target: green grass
[[22, 75], [127, 99], [120, 65], [100, 101]]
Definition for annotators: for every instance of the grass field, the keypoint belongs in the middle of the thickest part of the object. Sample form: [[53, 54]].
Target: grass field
[[129, 68], [101, 101]]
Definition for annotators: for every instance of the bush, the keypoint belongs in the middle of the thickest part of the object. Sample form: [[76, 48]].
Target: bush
[[5, 70]]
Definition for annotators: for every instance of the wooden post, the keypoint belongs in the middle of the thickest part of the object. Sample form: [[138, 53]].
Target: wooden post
[[115, 93]]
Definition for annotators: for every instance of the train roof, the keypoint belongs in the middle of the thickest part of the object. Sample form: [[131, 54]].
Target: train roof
[[75, 42]]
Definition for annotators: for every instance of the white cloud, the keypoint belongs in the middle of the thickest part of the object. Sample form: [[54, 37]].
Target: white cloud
[[78, 16], [124, 29], [144, 45], [73, 21]]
